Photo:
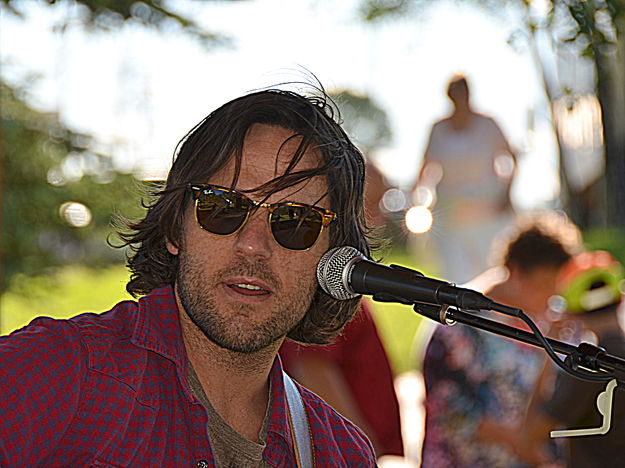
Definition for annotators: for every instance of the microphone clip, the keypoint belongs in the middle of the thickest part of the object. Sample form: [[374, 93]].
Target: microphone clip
[[434, 312], [604, 406]]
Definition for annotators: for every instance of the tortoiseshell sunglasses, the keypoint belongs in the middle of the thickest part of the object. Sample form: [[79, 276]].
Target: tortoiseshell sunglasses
[[223, 211]]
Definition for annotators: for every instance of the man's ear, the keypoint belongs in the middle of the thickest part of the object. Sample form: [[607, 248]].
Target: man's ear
[[171, 247]]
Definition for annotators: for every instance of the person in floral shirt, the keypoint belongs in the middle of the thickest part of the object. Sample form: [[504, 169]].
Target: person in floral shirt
[[477, 383]]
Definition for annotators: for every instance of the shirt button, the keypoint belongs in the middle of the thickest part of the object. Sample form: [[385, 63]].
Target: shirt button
[[202, 464]]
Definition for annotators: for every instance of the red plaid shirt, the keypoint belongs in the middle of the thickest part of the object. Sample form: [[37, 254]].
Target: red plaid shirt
[[111, 390]]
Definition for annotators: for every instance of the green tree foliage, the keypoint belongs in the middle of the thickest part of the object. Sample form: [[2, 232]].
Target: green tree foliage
[[599, 31], [47, 165], [112, 14]]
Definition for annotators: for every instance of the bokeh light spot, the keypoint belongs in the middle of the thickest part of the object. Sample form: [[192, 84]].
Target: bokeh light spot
[[419, 219], [76, 214], [393, 200]]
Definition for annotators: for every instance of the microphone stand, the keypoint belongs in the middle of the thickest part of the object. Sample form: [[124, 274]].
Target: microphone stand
[[585, 355]]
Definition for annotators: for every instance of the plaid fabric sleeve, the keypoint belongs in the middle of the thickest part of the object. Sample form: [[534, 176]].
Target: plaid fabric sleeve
[[41, 369]]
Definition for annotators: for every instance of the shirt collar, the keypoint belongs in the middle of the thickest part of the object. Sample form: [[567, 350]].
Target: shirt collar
[[158, 325]]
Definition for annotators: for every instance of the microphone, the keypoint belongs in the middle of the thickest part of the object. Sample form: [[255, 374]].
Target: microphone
[[345, 273]]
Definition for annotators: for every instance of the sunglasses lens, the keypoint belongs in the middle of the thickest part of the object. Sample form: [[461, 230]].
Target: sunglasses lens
[[295, 227], [221, 212]]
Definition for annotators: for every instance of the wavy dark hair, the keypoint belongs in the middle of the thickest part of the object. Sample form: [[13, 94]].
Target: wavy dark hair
[[210, 145]]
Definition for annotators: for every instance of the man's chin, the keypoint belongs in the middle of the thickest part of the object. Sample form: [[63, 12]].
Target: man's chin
[[243, 342], [246, 348]]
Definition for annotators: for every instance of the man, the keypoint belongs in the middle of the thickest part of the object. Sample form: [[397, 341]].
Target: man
[[590, 285], [470, 165], [478, 383], [226, 255]]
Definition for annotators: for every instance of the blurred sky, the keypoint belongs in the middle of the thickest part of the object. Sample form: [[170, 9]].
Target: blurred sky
[[140, 91]]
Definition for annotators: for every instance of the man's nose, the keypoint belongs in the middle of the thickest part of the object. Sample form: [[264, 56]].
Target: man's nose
[[255, 238]]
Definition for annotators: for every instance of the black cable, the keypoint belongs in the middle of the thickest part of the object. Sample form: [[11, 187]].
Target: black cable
[[554, 357]]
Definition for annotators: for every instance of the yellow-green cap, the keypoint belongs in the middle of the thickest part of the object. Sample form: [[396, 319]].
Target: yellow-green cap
[[591, 281]]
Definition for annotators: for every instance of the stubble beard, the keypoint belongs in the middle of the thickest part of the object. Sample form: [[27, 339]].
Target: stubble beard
[[235, 326]]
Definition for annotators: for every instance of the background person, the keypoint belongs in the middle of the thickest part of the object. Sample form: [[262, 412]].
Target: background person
[[478, 384], [591, 286], [225, 260], [469, 165]]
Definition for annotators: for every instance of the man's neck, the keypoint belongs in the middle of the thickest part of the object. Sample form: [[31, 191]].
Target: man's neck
[[236, 384]]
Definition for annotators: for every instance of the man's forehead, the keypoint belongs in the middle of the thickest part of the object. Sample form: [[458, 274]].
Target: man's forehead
[[270, 143], [267, 153], [269, 150]]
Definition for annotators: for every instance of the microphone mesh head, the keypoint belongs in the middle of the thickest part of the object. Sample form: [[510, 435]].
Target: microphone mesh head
[[331, 273]]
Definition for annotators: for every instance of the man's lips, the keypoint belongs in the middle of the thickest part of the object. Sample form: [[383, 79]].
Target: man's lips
[[247, 287]]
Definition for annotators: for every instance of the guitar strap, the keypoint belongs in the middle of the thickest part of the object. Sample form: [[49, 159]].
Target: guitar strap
[[299, 424]]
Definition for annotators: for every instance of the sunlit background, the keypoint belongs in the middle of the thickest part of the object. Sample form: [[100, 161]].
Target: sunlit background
[[107, 106]]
